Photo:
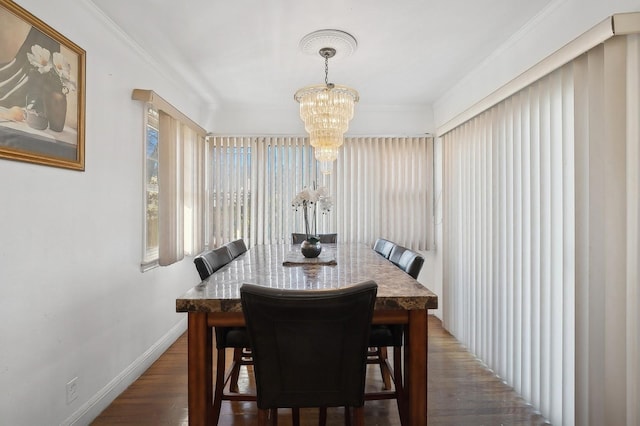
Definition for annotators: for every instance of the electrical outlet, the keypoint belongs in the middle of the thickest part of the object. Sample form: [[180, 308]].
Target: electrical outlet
[[72, 390]]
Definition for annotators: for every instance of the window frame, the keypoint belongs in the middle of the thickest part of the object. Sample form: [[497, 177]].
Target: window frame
[[150, 256]]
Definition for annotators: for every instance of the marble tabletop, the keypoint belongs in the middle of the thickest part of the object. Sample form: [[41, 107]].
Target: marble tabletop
[[263, 265]]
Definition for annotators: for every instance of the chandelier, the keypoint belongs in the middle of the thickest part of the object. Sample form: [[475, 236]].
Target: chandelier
[[326, 109]]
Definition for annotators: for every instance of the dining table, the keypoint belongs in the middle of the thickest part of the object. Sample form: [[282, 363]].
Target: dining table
[[215, 302]]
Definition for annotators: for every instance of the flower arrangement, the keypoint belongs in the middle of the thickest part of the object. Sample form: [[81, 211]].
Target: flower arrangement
[[59, 68], [50, 81], [312, 198]]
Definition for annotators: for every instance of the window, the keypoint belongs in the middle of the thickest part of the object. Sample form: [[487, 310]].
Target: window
[[380, 187], [173, 183], [151, 229]]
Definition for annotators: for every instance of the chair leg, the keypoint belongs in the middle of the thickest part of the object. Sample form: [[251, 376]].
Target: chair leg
[[267, 417], [347, 416], [358, 416], [295, 416], [263, 417], [235, 371], [384, 371], [219, 389], [322, 416]]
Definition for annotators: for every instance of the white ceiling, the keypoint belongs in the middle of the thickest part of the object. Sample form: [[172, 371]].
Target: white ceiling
[[245, 52]]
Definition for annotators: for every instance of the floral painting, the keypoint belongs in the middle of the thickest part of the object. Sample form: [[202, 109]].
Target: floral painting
[[41, 92]]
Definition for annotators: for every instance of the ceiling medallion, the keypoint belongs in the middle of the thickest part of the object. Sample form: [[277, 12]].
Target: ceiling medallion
[[343, 43]]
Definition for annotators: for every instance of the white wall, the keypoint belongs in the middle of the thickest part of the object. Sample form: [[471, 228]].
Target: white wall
[[368, 120], [561, 22], [73, 302]]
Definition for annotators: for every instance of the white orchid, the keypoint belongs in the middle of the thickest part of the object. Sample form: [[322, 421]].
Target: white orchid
[[63, 69], [40, 59], [312, 197]]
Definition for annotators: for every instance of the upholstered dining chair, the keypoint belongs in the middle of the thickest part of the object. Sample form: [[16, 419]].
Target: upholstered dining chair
[[236, 247], [383, 247], [235, 338], [210, 261], [391, 335], [297, 238], [328, 238], [383, 336], [396, 253], [309, 348], [411, 263]]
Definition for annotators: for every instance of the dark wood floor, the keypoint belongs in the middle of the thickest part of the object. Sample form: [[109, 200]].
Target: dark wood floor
[[461, 392]]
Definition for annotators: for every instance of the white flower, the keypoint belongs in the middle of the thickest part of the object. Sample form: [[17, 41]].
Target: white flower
[[306, 196], [40, 58], [325, 204], [63, 69], [312, 197]]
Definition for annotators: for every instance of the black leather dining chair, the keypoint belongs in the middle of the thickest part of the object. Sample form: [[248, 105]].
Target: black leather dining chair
[[396, 253], [309, 347], [328, 238], [297, 238], [236, 247], [411, 263], [235, 338], [383, 336], [210, 261], [383, 247]]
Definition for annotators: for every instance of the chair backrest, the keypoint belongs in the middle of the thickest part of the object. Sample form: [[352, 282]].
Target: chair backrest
[[324, 238], [309, 347], [211, 260], [328, 238], [297, 238], [411, 263], [383, 247], [396, 254], [236, 248]]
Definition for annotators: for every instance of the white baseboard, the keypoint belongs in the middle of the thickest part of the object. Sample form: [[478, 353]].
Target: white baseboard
[[101, 400]]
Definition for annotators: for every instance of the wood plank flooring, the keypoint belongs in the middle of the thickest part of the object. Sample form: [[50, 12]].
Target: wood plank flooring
[[461, 392]]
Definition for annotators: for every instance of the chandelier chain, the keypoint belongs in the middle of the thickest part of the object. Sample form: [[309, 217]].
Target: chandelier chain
[[326, 70]]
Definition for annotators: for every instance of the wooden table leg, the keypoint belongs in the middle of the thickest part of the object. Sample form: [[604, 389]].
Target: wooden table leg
[[200, 374], [416, 368]]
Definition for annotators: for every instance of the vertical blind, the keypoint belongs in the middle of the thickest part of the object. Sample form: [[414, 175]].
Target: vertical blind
[[180, 188], [181, 194], [171, 191], [384, 188], [507, 262], [541, 238], [379, 186]]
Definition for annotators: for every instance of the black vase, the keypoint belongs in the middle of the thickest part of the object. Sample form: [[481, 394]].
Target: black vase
[[55, 106], [311, 248]]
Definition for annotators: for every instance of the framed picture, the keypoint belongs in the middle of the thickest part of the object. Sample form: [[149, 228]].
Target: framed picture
[[42, 92]]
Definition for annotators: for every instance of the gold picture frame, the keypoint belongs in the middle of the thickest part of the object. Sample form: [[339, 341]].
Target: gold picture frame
[[42, 92]]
